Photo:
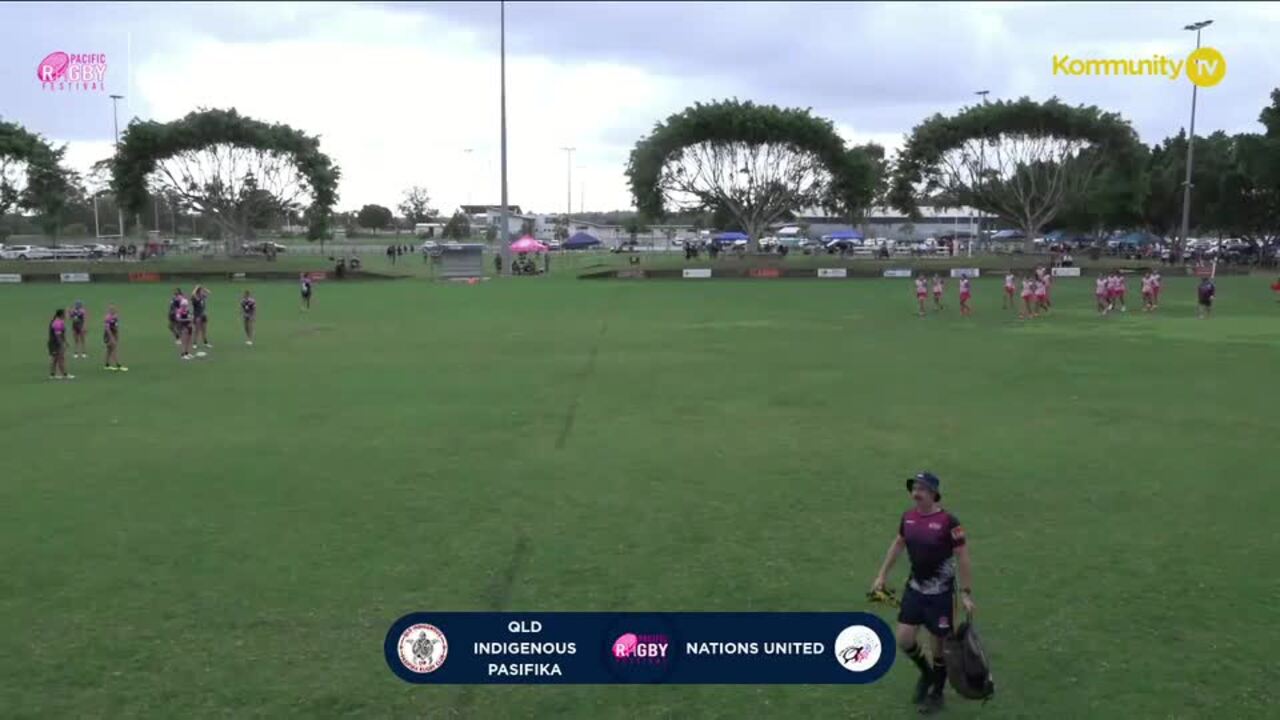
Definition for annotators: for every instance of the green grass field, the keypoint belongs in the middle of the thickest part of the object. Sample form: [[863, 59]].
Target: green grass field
[[232, 537]]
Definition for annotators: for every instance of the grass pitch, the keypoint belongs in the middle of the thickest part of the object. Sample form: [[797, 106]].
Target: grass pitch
[[231, 537]]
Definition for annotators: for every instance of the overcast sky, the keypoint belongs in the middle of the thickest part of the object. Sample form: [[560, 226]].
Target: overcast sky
[[399, 91]]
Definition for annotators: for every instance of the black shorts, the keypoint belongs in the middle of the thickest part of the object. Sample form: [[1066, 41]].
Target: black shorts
[[107, 339], [55, 348], [933, 611], [77, 328], [1207, 302]]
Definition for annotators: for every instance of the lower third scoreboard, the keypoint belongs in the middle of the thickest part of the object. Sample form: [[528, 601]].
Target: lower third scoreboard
[[622, 648]]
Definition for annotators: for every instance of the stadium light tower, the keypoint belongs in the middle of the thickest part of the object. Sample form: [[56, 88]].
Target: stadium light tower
[[115, 121], [982, 166], [568, 186], [471, 176], [1191, 143], [502, 65]]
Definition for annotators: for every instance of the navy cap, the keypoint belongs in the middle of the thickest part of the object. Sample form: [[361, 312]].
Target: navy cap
[[927, 479]]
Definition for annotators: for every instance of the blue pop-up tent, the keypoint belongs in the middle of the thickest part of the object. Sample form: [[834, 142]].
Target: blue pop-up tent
[[728, 237], [845, 235], [579, 241]]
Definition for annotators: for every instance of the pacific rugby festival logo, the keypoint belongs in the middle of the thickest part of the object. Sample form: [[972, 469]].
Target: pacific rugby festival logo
[[1205, 67], [62, 72]]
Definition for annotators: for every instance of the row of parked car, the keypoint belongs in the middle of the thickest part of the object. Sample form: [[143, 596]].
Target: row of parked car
[[59, 252]]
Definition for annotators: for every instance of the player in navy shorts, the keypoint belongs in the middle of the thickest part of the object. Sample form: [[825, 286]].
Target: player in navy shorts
[[935, 545]]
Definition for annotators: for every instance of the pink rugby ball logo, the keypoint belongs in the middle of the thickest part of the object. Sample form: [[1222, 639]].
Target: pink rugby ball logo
[[53, 67], [625, 645]]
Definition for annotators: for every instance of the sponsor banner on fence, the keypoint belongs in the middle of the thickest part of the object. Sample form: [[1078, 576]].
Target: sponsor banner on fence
[[764, 272], [833, 272], [238, 276], [315, 276], [75, 277], [144, 277], [1066, 272], [697, 272], [964, 272], [10, 278], [897, 273], [631, 273], [611, 648], [1203, 271]]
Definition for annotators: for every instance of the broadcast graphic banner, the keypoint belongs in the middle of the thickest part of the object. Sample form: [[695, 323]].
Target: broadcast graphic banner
[[576, 648]]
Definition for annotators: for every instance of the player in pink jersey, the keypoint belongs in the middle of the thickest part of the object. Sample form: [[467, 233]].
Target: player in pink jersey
[[1100, 285], [79, 318], [938, 287], [966, 291], [1146, 292], [58, 346], [1028, 296], [185, 319], [1121, 290], [1155, 289], [1041, 296], [111, 338], [922, 292], [1009, 302]]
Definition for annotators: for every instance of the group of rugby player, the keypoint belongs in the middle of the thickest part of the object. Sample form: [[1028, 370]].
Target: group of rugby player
[[939, 287], [1111, 290], [57, 340], [188, 323]]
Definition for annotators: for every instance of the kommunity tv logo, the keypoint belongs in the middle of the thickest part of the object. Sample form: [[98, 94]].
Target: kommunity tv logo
[[1204, 67]]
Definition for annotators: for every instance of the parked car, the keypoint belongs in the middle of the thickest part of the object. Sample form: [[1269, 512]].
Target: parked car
[[264, 248], [70, 252], [101, 250], [25, 252]]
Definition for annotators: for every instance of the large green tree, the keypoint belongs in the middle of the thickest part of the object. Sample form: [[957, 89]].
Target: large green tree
[[416, 205], [229, 168], [1022, 161], [755, 162], [32, 177], [374, 217], [458, 227]]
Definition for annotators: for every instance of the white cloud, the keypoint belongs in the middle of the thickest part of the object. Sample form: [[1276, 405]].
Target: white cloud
[[400, 110]]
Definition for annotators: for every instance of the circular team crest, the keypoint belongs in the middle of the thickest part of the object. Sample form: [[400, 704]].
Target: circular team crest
[[422, 648], [857, 648]]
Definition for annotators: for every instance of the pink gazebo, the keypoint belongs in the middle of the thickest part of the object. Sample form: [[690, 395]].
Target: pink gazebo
[[527, 244]]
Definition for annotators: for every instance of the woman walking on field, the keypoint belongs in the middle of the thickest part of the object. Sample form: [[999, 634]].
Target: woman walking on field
[[58, 346], [79, 316], [200, 316], [248, 311], [111, 338]]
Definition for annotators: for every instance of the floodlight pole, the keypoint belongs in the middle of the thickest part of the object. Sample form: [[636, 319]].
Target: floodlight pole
[[115, 121], [982, 166], [568, 186], [502, 65], [1191, 144]]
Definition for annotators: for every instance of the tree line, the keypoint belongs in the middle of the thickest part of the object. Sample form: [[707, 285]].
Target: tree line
[[1033, 165]]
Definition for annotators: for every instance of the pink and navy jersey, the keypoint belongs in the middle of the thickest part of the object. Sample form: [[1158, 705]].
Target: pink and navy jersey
[[921, 286], [57, 329], [248, 306], [184, 310], [78, 316], [306, 285], [111, 323], [931, 542]]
